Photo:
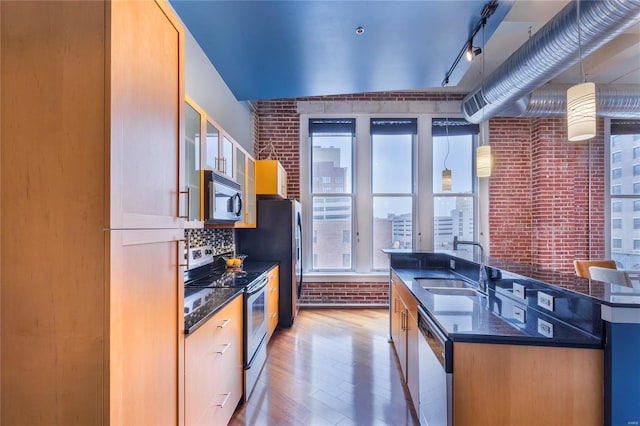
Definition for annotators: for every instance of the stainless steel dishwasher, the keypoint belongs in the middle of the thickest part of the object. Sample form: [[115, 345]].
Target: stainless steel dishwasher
[[435, 373]]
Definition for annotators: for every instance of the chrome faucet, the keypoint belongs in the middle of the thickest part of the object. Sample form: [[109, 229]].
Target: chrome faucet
[[482, 280]]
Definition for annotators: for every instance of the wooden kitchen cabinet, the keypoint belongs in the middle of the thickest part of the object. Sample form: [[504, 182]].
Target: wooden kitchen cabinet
[[91, 291], [272, 301], [271, 178], [245, 176], [213, 367], [527, 385], [405, 334], [220, 153]]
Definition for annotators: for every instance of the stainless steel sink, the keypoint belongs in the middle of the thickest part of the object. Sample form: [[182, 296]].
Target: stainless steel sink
[[455, 291], [442, 283]]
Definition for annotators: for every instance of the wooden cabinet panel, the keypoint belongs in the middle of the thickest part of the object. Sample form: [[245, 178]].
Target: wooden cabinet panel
[[146, 123], [272, 301], [526, 385], [213, 368], [145, 315], [90, 141], [405, 334]]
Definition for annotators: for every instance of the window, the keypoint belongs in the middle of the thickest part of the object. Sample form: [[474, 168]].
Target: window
[[331, 142], [392, 179], [616, 157], [623, 199], [617, 173], [363, 193], [454, 210]]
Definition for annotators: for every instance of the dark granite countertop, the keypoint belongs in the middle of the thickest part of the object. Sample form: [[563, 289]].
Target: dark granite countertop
[[207, 301], [488, 319], [204, 301]]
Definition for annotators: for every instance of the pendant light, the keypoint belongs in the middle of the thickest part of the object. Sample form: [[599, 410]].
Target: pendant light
[[446, 173], [484, 161], [484, 158], [581, 102]]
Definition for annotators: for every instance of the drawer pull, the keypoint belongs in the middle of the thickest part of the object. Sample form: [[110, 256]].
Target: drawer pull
[[226, 346], [224, 323], [224, 401]]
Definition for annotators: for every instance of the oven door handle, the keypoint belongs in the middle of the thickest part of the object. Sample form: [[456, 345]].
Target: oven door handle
[[259, 286]]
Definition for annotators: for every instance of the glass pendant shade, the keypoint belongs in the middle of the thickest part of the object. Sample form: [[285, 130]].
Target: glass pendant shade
[[446, 180], [581, 112], [484, 161]]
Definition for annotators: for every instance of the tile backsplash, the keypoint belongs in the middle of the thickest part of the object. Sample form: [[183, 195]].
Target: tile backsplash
[[220, 240]]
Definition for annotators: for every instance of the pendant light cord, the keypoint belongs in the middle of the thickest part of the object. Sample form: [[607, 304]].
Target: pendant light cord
[[582, 74], [447, 130]]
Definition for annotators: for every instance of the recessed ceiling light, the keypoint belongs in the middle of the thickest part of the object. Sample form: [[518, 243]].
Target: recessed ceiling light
[[359, 30]]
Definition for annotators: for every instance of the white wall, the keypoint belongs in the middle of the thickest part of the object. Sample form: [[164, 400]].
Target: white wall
[[205, 86]]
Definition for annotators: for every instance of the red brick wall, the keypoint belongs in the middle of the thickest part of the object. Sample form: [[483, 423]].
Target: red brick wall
[[539, 190], [539, 194], [376, 293]]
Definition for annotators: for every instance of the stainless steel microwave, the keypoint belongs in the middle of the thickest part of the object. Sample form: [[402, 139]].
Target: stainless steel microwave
[[222, 200]]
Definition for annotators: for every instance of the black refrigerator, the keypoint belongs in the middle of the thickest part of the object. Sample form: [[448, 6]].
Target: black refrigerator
[[278, 237]]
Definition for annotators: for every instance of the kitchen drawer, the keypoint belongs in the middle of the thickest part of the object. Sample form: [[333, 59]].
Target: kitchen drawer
[[213, 367], [272, 301]]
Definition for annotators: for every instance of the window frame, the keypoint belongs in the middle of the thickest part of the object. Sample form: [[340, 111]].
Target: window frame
[[423, 222]]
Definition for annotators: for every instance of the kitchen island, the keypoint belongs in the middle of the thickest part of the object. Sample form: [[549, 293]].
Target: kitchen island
[[521, 324]]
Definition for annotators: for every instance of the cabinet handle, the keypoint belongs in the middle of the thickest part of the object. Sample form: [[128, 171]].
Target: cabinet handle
[[273, 315], [224, 323], [183, 265], [224, 401], [188, 192], [226, 346]]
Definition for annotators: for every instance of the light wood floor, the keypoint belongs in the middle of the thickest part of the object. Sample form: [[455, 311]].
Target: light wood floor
[[333, 367]]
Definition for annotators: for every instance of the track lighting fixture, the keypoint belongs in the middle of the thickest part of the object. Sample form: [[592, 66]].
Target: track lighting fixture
[[472, 51]]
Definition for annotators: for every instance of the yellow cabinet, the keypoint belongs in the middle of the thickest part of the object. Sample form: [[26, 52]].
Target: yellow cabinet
[[272, 301], [271, 178], [213, 368], [245, 176]]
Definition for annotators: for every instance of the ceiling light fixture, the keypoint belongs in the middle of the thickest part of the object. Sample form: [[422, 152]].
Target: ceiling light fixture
[[468, 48], [446, 173], [359, 30], [472, 51], [484, 158], [581, 102]]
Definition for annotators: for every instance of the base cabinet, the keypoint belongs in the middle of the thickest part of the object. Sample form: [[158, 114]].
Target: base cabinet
[[404, 333], [213, 368], [272, 301], [527, 385]]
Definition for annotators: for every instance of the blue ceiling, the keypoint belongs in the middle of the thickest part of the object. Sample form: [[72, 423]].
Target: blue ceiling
[[285, 49]]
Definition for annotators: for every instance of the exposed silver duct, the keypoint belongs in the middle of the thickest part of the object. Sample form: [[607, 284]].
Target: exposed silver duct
[[614, 100], [549, 52]]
